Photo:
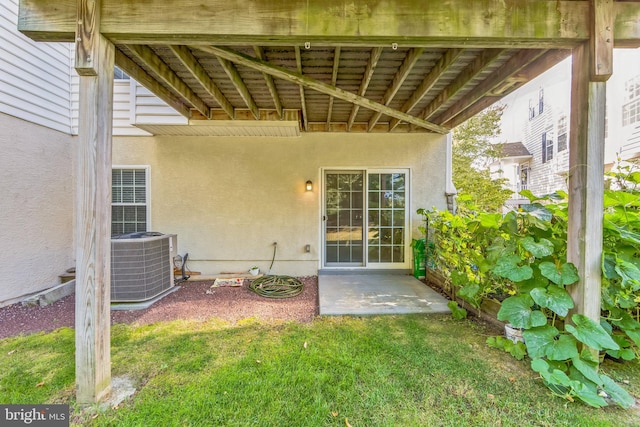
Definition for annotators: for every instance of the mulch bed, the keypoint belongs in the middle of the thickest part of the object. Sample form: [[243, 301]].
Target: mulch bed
[[194, 300]]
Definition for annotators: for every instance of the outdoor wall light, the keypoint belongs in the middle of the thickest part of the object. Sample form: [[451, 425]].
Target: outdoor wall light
[[309, 185]]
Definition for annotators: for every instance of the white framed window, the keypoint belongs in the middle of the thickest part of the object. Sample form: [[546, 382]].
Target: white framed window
[[541, 101], [532, 110], [130, 211], [631, 106], [118, 74], [547, 146], [562, 134]]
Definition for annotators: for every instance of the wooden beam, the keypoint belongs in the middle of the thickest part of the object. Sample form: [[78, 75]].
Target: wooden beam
[[527, 74], [170, 78], [93, 228], [398, 79], [241, 87], [303, 101], [270, 83], [454, 23], [516, 63], [602, 19], [87, 30], [318, 86], [626, 28], [141, 76], [362, 127], [334, 79], [586, 183], [446, 61], [191, 63], [484, 60], [364, 83]]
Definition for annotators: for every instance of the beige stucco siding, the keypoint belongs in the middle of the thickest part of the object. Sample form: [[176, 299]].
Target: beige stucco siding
[[229, 199], [36, 219]]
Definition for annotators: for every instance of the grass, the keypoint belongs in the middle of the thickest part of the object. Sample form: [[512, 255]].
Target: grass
[[378, 371]]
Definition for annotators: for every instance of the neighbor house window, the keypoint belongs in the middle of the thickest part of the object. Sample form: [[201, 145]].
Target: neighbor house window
[[541, 101], [118, 74], [631, 106], [547, 146], [523, 177], [532, 110], [130, 200], [562, 134]]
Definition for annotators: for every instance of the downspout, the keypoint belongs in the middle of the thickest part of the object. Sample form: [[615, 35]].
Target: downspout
[[450, 191]]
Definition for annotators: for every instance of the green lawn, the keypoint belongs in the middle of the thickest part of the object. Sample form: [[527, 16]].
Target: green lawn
[[378, 371]]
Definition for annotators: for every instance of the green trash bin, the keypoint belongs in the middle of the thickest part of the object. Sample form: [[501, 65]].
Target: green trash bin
[[419, 258]]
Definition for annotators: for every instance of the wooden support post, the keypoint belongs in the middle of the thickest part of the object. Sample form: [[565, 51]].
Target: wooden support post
[[586, 183], [602, 21], [93, 225]]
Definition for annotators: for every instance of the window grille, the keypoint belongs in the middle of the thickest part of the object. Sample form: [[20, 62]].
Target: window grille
[[129, 206]]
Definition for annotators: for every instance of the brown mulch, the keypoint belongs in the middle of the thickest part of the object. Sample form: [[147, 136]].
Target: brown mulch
[[191, 301]]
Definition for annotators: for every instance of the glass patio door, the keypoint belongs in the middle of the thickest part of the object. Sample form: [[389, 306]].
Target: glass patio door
[[344, 219], [365, 219]]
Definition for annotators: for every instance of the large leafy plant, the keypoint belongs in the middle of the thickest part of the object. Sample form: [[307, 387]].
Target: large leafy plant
[[522, 256]]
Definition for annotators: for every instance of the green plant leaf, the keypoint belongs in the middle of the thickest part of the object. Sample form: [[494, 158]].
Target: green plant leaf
[[629, 273], [591, 333], [540, 249], [470, 293], [489, 220], [517, 350], [529, 195], [567, 275], [616, 393], [517, 311], [508, 267], [566, 347], [554, 298], [623, 320], [539, 339], [538, 211], [456, 311], [459, 278], [588, 395], [587, 367], [634, 177], [634, 335], [620, 198], [629, 236]]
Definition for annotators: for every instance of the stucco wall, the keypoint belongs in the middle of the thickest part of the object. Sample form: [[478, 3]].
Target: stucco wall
[[229, 199], [36, 211]]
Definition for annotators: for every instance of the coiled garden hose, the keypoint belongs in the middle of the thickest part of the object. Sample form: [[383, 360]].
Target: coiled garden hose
[[276, 286]]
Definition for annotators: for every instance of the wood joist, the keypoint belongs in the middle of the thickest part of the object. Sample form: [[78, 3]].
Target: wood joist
[[448, 64]]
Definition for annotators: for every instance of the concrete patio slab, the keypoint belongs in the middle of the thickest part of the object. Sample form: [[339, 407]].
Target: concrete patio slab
[[373, 294]]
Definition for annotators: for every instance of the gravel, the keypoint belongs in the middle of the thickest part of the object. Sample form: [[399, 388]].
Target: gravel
[[194, 300]]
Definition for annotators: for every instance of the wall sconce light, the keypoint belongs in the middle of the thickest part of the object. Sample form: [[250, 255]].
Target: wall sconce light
[[309, 185]]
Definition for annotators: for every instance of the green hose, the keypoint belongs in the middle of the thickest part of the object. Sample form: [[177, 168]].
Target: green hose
[[271, 286]]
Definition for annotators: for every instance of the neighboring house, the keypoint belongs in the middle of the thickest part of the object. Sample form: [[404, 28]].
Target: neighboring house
[[538, 115]]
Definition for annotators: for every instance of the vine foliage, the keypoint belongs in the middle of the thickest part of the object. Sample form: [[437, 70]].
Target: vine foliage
[[520, 259]]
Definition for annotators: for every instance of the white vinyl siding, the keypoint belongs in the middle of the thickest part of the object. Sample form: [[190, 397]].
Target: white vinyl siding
[[34, 77], [132, 103], [149, 109]]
